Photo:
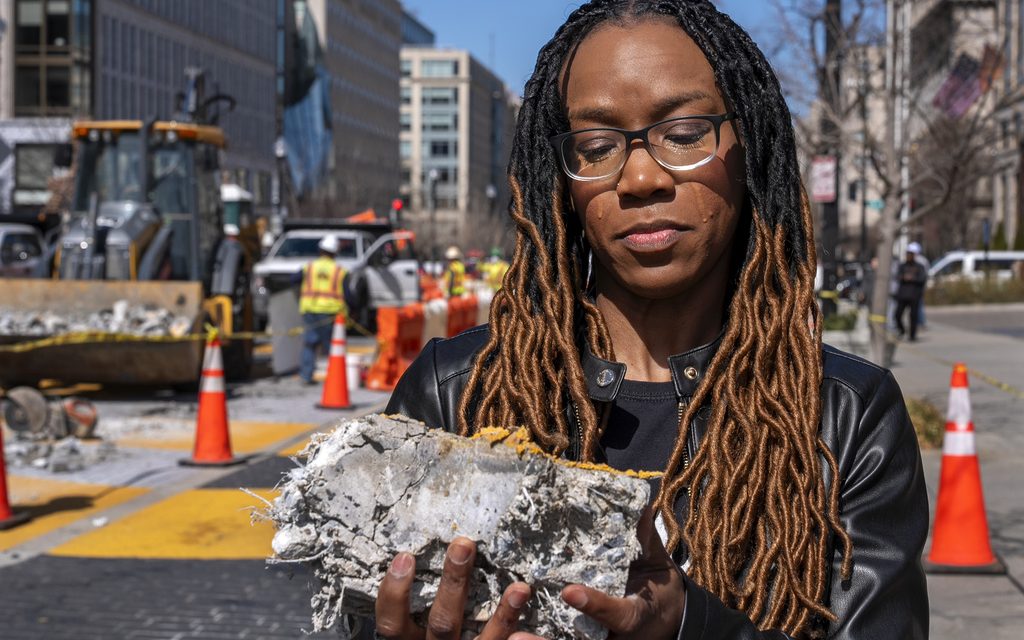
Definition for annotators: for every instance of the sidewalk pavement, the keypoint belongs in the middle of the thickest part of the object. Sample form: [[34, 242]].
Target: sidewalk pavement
[[990, 607]]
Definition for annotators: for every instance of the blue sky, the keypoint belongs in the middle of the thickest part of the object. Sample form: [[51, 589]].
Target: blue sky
[[518, 28]]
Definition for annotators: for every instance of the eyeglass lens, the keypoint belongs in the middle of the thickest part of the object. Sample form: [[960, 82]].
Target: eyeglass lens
[[677, 144]]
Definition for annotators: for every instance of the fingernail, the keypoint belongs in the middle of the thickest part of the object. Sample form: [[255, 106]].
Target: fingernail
[[576, 599], [517, 599], [459, 553], [402, 565]]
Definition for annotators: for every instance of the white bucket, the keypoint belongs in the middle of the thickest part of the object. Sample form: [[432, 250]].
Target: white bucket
[[353, 371]]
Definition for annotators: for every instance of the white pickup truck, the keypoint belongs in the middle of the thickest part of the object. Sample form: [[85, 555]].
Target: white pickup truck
[[383, 269]]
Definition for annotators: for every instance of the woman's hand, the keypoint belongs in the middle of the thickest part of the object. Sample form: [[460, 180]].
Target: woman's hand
[[653, 608], [444, 622]]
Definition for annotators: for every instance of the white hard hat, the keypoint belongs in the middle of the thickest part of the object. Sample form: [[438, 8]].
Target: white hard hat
[[231, 229], [914, 247], [329, 244], [452, 253]]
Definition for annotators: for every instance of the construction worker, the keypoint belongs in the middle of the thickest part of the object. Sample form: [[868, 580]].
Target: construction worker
[[494, 269], [321, 299], [455, 274]]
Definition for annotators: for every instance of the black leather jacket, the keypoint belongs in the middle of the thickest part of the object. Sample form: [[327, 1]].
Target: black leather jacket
[[883, 503]]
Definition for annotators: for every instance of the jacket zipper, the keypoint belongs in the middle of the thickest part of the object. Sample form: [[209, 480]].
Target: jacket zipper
[[577, 443]]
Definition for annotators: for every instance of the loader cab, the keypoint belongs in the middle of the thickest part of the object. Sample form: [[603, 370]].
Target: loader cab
[[149, 204]]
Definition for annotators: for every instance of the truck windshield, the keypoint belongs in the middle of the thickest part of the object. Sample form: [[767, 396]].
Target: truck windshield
[[309, 248], [112, 169]]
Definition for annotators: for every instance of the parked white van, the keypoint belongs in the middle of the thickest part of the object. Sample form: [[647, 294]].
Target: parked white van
[[974, 264]]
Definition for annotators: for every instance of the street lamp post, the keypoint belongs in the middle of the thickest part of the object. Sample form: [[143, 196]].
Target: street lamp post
[[432, 176]]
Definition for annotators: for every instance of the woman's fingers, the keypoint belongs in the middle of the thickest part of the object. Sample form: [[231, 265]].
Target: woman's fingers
[[445, 619], [506, 618], [392, 609], [618, 615]]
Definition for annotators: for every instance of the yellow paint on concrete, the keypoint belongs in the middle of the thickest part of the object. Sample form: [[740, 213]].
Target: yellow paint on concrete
[[295, 449], [53, 504], [208, 524], [246, 436]]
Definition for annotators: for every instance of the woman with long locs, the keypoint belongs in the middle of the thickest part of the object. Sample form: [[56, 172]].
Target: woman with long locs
[[659, 315]]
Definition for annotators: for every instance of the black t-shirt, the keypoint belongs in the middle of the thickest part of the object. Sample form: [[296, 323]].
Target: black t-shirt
[[641, 434], [642, 427]]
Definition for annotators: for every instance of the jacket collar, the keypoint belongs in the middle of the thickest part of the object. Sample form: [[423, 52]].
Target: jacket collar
[[604, 377]]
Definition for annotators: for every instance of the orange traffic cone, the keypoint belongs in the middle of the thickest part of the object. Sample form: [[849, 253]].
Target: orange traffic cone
[[335, 391], [213, 440], [8, 518], [960, 542]]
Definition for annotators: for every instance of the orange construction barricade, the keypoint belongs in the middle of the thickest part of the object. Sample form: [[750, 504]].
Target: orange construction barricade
[[461, 314], [400, 335]]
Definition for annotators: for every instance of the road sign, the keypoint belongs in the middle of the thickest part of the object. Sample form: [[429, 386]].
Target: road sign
[[823, 179]]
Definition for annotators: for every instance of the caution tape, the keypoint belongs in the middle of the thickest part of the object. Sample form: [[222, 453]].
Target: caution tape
[[829, 295], [100, 337]]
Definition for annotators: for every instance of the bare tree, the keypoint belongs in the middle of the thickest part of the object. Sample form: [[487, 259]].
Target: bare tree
[[924, 154]]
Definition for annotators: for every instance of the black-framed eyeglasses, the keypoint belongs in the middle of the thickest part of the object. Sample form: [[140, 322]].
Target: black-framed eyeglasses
[[678, 144]]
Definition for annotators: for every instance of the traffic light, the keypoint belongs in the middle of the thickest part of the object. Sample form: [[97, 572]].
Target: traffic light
[[395, 214]]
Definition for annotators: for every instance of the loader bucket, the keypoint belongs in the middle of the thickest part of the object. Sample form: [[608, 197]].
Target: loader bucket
[[102, 356]]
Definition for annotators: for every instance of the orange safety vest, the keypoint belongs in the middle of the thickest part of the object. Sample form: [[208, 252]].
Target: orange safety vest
[[322, 287]]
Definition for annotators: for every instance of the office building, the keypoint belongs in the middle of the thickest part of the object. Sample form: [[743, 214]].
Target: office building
[[360, 42], [456, 125], [106, 59]]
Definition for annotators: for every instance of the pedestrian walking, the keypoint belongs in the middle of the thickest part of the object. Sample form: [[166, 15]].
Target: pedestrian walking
[[454, 273], [911, 277], [659, 315], [321, 298]]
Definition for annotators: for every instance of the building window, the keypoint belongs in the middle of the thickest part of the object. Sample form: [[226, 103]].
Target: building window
[[440, 122], [445, 175], [33, 166], [406, 66], [405, 120], [439, 68], [52, 47], [405, 149], [439, 95], [443, 148], [406, 93]]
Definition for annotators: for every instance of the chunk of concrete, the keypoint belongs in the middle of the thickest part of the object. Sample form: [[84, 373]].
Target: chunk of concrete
[[379, 485]]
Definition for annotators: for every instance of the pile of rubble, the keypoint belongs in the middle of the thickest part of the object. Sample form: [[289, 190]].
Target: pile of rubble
[[379, 485], [66, 455], [123, 317], [44, 433]]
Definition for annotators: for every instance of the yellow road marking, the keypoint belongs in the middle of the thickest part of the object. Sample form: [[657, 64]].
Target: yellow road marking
[[54, 504], [295, 449], [210, 524], [246, 436]]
